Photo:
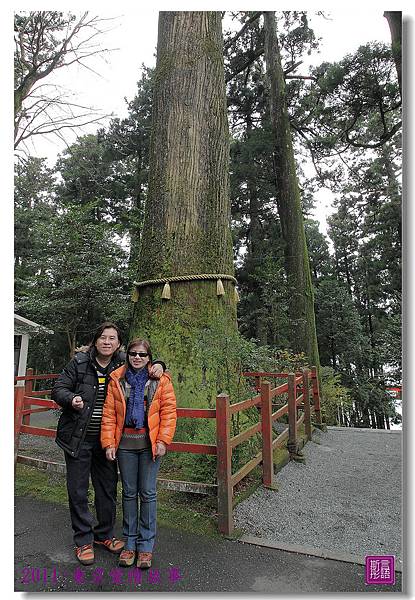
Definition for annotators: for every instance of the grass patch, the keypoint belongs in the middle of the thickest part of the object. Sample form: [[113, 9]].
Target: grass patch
[[195, 513], [35, 483], [186, 520], [188, 512]]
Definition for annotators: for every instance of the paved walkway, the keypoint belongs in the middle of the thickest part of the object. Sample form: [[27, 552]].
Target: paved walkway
[[44, 561]]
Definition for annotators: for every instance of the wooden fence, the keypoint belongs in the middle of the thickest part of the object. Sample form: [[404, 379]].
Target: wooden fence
[[297, 388]]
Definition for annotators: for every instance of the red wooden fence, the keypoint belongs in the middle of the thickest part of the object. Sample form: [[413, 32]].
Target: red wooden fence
[[297, 388]]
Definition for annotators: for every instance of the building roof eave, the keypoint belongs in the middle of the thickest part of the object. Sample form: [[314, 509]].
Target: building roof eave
[[24, 326]]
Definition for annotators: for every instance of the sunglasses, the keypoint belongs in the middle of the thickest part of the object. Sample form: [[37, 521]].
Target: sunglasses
[[140, 354]]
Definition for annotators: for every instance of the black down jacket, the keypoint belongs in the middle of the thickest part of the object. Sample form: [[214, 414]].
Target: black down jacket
[[79, 377]]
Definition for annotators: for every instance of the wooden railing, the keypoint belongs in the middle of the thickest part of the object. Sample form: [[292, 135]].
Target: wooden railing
[[297, 389], [226, 444]]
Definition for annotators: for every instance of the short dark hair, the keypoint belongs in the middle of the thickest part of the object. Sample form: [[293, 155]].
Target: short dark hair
[[139, 342], [100, 330]]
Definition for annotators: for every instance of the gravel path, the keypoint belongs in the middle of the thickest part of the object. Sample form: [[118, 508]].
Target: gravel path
[[346, 497]]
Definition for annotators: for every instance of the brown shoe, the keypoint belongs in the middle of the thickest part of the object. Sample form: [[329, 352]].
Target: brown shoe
[[144, 560], [127, 558], [85, 554], [115, 546]]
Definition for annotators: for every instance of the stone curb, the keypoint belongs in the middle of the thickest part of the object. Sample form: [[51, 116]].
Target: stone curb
[[363, 430], [299, 549]]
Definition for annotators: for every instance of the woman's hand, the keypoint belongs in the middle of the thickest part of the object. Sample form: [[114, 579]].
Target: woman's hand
[[160, 449], [156, 371], [77, 403], [110, 453]]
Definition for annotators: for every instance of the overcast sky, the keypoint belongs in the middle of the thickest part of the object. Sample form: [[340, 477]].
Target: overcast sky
[[133, 36]]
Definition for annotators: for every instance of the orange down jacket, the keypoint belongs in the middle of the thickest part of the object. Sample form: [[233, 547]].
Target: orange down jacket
[[161, 414]]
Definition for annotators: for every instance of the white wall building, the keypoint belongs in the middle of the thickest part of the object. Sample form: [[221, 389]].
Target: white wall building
[[23, 330]]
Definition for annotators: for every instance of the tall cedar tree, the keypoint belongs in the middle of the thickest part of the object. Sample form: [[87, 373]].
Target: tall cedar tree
[[303, 337], [187, 219], [394, 19]]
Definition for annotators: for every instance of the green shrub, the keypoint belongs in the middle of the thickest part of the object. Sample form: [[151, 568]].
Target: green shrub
[[334, 396]]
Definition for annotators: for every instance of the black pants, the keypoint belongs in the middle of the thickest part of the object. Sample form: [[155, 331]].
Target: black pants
[[91, 461]]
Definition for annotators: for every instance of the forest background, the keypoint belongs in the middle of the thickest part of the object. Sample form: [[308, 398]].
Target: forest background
[[79, 221]]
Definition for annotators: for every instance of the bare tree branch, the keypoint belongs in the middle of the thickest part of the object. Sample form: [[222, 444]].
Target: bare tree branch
[[46, 41]]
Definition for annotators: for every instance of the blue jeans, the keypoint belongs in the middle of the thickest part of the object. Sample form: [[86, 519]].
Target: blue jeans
[[139, 477]]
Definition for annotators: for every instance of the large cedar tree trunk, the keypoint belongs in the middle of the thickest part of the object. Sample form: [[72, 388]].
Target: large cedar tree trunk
[[187, 217], [394, 19], [303, 337], [254, 244]]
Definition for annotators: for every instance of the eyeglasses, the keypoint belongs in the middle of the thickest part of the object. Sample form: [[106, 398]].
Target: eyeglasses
[[140, 354]]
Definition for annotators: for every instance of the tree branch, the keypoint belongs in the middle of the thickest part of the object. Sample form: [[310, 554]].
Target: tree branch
[[248, 23], [253, 56], [384, 138], [39, 51]]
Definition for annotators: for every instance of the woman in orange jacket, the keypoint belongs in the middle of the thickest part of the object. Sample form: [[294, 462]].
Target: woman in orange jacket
[[138, 422]]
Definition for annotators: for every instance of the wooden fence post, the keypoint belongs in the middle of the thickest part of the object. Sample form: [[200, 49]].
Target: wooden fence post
[[224, 464], [266, 428], [292, 444], [306, 401], [19, 393], [316, 394], [28, 392]]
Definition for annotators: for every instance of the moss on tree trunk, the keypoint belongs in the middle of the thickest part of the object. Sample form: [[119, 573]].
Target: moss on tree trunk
[[394, 19], [187, 217], [303, 337]]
